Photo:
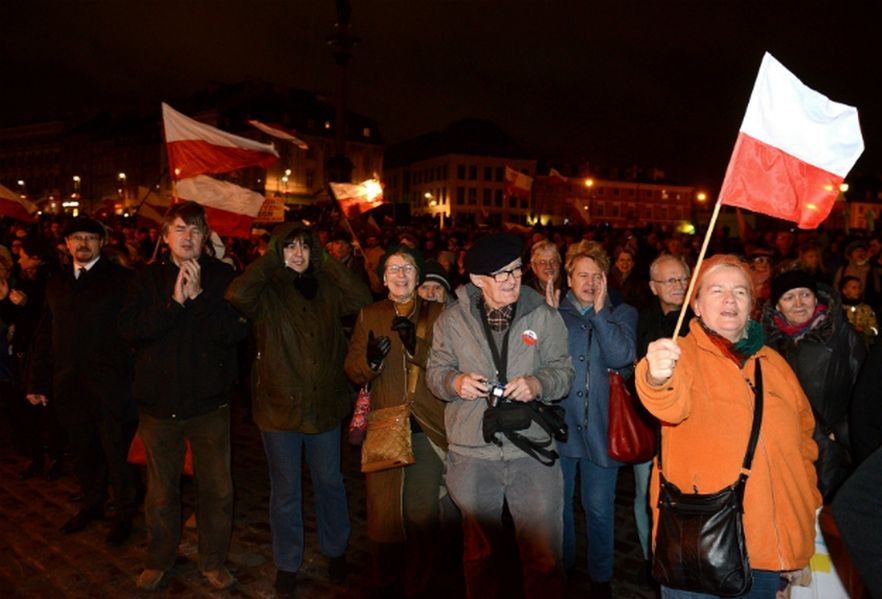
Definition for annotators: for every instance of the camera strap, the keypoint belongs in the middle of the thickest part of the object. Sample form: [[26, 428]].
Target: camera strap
[[500, 360]]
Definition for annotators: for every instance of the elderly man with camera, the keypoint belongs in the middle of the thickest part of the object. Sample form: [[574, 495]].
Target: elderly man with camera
[[501, 347]]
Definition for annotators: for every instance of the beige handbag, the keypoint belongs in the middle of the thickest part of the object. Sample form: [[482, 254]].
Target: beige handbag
[[388, 443]]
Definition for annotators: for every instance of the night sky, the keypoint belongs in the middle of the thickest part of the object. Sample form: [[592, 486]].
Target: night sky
[[616, 83]]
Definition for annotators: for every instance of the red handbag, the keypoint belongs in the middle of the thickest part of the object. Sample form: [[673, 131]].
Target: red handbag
[[631, 434], [358, 425]]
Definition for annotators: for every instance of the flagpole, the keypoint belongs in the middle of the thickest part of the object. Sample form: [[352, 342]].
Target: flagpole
[[357, 243], [692, 279]]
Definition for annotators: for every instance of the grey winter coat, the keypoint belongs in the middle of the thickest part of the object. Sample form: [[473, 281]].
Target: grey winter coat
[[459, 346]]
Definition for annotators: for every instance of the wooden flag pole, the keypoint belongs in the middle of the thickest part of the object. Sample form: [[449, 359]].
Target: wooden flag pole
[[691, 288]]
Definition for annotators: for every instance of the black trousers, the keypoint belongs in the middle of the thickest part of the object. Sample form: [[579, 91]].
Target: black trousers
[[99, 442]]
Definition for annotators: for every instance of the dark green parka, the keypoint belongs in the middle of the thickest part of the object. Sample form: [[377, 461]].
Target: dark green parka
[[298, 383]]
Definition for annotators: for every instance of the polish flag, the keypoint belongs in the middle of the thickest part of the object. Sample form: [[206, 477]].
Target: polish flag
[[195, 148], [15, 206], [229, 209], [555, 178], [517, 184], [358, 198], [793, 151], [276, 131]]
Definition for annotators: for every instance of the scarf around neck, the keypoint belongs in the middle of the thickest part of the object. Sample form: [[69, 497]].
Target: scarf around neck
[[798, 330], [740, 351]]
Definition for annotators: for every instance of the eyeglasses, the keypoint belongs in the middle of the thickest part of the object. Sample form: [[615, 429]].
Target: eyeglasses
[[684, 281], [762, 259], [82, 238], [396, 268], [501, 276]]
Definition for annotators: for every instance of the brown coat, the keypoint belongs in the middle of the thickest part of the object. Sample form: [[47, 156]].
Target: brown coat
[[388, 388]]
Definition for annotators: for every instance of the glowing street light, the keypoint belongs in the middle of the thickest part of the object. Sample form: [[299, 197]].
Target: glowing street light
[[701, 196], [843, 187], [287, 172], [589, 182]]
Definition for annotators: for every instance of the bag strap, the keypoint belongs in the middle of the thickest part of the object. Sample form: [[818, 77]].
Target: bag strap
[[413, 369], [535, 450], [754, 429], [500, 359]]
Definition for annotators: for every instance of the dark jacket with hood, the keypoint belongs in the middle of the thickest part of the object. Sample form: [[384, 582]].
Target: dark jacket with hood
[[297, 381], [185, 355], [826, 358]]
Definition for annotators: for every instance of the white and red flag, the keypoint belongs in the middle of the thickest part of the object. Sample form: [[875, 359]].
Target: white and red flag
[[517, 184], [358, 198], [793, 151], [195, 148], [229, 209], [555, 178], [280, 133], [15, 206]]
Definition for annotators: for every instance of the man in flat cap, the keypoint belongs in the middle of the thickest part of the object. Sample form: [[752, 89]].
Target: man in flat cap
[[81, 362], [501, 342]]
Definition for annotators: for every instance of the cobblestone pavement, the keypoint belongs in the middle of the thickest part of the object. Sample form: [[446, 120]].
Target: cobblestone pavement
[[38, 561]]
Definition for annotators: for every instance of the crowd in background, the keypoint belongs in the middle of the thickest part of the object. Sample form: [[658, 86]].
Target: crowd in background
[[817, 294]]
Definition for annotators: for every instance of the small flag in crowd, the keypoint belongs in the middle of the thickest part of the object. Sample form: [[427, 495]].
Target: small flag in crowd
[[280, 133], [793, 151], [13, 205], [229, 209], [358, 198], [555, 178], [517, 184], [195, 148]]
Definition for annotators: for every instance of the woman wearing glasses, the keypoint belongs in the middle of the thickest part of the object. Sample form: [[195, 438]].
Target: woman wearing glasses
[[601, 336], [295, 295], [389, 349]]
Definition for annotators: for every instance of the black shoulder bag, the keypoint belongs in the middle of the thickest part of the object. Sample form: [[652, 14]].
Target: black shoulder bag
[[699, 544]]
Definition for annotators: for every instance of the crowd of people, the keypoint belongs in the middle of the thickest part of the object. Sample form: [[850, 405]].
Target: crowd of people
[[110, 330]]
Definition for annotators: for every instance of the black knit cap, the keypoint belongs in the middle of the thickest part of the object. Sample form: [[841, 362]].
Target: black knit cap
[[492, 252], [791, 279], [84, 224], [435, 272]]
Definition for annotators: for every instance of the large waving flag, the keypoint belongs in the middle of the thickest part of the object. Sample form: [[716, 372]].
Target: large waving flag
[[229, 209], [15, 206], [195, 148], [517, 184], [794, 149], [358, 198], [280, 133]]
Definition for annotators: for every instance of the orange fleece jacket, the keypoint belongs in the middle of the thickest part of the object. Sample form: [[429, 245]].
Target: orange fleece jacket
[[706, 409]]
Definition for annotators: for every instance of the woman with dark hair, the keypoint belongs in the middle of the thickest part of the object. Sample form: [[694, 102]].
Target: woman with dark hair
[[389, 349], [295, 295], [624, 278], [803, 321]]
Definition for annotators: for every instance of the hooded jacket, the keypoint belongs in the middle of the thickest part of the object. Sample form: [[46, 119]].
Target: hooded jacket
[[459, 346], [297, 381]]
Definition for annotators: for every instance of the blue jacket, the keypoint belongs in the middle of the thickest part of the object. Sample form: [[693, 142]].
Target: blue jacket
[[597, 342]]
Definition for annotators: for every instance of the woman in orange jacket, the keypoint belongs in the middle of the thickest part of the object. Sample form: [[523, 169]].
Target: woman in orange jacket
[[701, 390]]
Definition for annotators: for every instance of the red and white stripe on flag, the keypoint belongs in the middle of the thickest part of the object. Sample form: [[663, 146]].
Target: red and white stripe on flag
[[555, 178], [279, 132], [195, 148], [794, 149], [15, 206], [358, 198], [517, 183], [229, 209]]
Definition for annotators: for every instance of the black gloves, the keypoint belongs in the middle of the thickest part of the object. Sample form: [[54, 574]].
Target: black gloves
[[377, 350], [406, 332]]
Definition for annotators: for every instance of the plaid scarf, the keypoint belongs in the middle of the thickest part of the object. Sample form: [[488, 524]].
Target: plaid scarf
[[499, 319]]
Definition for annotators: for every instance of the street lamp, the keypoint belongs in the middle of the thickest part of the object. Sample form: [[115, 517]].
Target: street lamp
[[701, 196], [589, 182]]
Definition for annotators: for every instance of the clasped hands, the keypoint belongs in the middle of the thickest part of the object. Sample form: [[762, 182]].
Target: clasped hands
[[189, 282]]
